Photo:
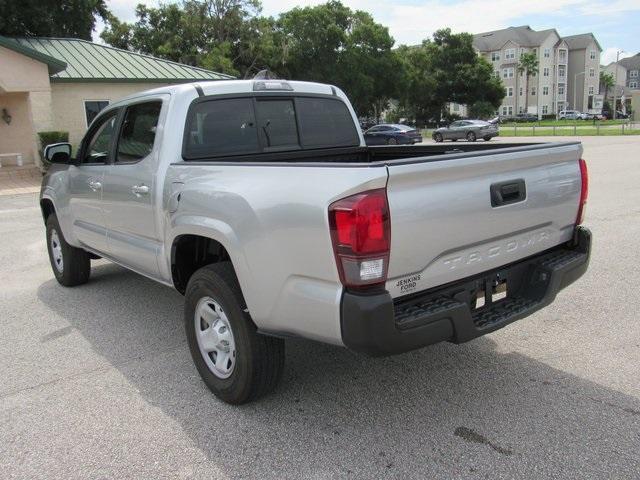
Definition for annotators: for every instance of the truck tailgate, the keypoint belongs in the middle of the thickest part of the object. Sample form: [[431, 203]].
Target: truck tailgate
[[469, 213]]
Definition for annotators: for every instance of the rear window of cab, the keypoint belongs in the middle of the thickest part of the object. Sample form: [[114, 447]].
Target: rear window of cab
[[223, 127]]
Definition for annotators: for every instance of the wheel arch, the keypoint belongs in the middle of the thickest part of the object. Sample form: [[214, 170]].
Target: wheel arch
[[47, 208]]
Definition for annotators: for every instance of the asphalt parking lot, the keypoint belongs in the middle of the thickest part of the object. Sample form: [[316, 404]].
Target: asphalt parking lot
[[97, 381]]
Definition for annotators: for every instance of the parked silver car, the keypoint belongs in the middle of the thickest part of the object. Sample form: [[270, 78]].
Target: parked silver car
[[469, 130]]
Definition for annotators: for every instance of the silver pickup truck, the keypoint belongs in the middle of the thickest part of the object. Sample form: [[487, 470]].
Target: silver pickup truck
[[260, 202]]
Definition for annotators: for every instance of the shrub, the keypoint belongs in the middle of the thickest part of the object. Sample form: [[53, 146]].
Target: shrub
[[549, 116], [482, 110], [49, 138]]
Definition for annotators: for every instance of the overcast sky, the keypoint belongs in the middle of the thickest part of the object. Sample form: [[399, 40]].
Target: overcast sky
[[615, 23]]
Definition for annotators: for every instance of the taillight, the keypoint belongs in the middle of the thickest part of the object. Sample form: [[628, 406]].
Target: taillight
[[361, 236], [584, 191]]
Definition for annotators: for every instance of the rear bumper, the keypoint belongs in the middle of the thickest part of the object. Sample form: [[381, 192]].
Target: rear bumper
[[377, 325], [490, 134]]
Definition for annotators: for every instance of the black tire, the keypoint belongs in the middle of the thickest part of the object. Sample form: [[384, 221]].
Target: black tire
[[75, 267], [259, 359], [392, 141], [486, 139], [438, 138], [471, 137]]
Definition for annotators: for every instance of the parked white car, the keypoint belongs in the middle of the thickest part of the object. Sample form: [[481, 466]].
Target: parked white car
[[569, 115]]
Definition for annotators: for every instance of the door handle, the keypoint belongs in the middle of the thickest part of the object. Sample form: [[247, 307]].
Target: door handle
[[138, 190], [505, 193], [94, 185]]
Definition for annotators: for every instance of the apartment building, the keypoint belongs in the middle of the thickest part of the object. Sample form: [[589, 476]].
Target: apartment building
[[584, 71], [628, 72], [551, 89]]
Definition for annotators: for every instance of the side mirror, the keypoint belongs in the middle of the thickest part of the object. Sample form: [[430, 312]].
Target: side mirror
[[58, 153]]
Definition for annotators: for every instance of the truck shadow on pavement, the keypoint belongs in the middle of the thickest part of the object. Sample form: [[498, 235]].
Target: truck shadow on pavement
[[443, 411]]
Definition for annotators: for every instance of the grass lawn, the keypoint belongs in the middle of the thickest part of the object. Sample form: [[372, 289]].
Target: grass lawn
[[549, 132], [566, 123]]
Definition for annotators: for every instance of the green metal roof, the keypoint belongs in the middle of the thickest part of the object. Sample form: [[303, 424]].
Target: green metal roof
[[91, 62], [54, 64]]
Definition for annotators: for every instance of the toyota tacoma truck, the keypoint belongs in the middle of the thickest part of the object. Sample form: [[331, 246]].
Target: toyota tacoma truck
[[260, 202]]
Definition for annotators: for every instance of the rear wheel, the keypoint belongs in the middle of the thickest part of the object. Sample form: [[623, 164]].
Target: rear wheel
[[438, 138], [235, 362], [71, 266], [392, 141], [471, 137]]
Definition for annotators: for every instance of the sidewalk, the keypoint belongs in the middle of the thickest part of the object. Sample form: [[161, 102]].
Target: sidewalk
[[17, 180]]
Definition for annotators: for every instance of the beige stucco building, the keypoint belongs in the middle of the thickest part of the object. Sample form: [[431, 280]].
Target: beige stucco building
[[559, 59], [61, 84]]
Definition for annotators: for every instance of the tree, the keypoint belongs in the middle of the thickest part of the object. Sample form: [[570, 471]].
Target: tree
[[51, 18], [606, 83], [333, 44], [482, 109], [228, 36], [446, 69], [528, 65]]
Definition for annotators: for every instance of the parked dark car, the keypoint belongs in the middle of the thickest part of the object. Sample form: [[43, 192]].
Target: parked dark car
[[469, 130], [392, 134], [609, 115], [518, 118]]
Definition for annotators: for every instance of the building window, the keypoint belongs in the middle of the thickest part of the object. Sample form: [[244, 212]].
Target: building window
[[592, 72], [562, 56], [535, 51], [504, 110], [510, 92], [633, 74], [560, 89], [561, 71], [533, 90], [547, 52], [456, 107], [92, 108], [633, 84], [545, 109], [592, 55], [495, 56], [545, 72], [591, 90], [520, 93], [507, 72], [521, 51], [497, 73], [510, 53], [545, 90]]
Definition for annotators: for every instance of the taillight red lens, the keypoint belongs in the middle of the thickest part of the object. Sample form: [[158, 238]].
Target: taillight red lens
[[361, 236], [584, 191]]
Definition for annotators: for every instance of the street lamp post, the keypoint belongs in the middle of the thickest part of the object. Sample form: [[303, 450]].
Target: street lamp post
[[615, 97], [575, 88]]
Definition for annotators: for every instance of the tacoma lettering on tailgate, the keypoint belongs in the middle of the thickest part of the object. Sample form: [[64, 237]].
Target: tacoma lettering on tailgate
[[495, 250]]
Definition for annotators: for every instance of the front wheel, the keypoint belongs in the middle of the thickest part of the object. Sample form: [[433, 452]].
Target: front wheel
[[471, 137], [71, 266], [235, 362], [438, 137]]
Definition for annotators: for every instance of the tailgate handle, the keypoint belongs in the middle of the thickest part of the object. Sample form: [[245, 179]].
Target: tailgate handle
[[505, 193]]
